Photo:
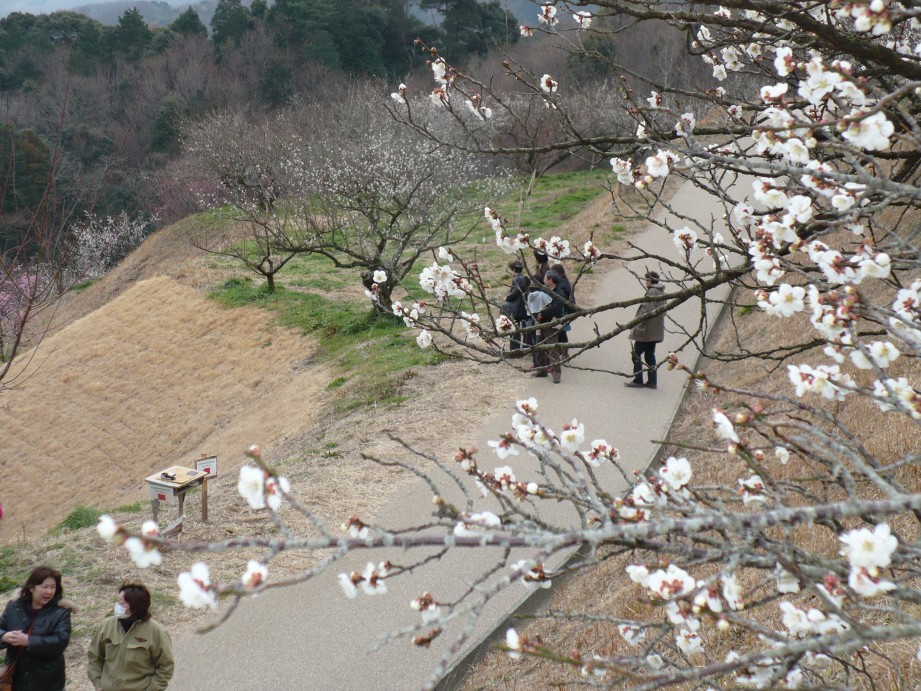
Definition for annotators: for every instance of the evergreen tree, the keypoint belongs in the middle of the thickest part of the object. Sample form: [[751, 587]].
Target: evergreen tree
[[277, 84], [166, 127], [259, 9], [132, 35], [230, 21], [471, 27], [189, 24]]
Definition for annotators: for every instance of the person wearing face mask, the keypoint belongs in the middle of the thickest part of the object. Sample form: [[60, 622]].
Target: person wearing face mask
[[131, 651], [35, 631]]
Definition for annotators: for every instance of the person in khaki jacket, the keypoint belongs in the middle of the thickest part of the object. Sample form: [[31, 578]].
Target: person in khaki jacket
[[645, 335], [131, 651]]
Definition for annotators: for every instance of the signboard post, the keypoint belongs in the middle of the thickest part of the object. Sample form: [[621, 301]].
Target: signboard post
[[170, 485]]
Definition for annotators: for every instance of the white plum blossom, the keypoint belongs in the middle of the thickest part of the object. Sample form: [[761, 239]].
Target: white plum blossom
[[472, 525], [275, 488], [670, 583], [676, 472], [633, 635], [638, 574], [657, 166], [867, 582], [583, 18], [439, 68], [782, 455], [372, 579], [107, 528], [503, 447], [380, 276], [783, 61], [786, 301], [572, 435], [252, 486], [732, 592], [195, 589], [685, 240], [869, 548], [526, 31], [724, 427], [400, 94], [424, 339], [624, 171], [871, 133], [255, 575], [689, 642], [444, 254], [655, 100], [548, 15], [514, 643], [348, 585], [142, 553], [548, 85], [753, 490]]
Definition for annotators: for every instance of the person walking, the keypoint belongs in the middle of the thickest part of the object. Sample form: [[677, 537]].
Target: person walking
[[646, 335], [548, 361], [131, 651], [35, 630]]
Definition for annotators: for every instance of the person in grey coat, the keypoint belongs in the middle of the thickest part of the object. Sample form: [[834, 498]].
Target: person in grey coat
[[645, 335]]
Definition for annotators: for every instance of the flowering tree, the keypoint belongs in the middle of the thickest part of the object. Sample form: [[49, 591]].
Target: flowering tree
[[808, 138], [341, 181]]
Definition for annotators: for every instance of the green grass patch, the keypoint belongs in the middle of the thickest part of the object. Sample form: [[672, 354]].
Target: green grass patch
[[373, 351], [83, 285], [13, 571], [81, 517], [136, 507]]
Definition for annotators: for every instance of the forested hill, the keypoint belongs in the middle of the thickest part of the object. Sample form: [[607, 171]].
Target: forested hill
[[105, 101]]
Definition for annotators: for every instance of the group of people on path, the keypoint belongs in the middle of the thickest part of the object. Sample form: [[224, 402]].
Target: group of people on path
[[129, 652], [546, 296]]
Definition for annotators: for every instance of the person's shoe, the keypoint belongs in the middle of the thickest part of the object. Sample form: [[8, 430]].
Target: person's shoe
[[649, 386], [556, 378], [634, 385], [540, 374]]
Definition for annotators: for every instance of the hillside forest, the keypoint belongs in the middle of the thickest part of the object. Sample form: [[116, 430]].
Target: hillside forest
[[92, 115]]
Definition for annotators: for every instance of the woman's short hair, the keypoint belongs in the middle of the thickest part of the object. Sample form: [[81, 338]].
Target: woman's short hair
[[559, 268], [36, 578], [138, 598], [516, 266]]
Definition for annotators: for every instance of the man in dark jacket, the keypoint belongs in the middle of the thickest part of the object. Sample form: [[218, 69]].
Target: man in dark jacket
[[645, 335], [514, 306], [548, 361]]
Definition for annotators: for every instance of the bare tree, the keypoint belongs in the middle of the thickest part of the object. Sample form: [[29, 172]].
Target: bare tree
[[817, 174]]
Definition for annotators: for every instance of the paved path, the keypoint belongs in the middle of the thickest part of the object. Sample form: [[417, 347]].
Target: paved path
[[311, 637]]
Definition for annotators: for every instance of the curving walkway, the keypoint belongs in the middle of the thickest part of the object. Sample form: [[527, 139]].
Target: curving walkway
[[311, 637]]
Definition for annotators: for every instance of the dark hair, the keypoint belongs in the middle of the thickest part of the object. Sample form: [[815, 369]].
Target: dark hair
[[652, 276], [37, 577], [553, 276], [516, 266], [541, 256], [138, 598], [559, 269]]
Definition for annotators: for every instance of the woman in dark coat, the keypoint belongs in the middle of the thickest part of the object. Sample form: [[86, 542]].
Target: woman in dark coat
[[548, 361], [39, 652], [564, 290]]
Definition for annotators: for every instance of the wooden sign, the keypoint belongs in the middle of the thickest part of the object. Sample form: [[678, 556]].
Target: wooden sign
[[207, 464]]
